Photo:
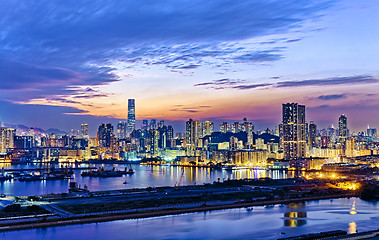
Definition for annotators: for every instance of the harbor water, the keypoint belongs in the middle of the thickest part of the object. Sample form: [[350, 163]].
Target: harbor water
[[144, 176]]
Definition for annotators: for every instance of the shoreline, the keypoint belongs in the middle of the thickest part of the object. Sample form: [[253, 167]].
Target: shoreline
[[106, 218]]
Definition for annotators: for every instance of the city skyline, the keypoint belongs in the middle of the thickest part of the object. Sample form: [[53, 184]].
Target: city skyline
[[294, 141], [121, 126], [122, 118], [178, 64]]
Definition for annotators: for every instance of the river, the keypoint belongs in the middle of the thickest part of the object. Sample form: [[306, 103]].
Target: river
[[351, 215]]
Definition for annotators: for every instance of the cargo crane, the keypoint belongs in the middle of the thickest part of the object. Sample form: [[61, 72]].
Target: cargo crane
[[177, 184]]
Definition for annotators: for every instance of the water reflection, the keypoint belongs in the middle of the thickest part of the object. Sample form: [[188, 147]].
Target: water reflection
[[352, 228], [294, 216], [352, 210], [144, 176], [258, 223]]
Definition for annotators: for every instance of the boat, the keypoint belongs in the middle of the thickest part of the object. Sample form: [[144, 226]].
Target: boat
[[4, 178], [29, 178], [57, 177], [101, 172], [233, 167], [124, 182]]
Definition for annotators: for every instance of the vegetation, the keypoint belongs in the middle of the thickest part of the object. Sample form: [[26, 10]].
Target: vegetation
[[369, 191], [15, 210]]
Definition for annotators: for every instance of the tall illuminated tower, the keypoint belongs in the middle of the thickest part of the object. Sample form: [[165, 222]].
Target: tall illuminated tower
[[84, 131], [342, 130], [312, 134], [105, 135], [207, 128], [294, 131], [224, 127], [193, 134], [131, 115], [121, 130], [6, 138]]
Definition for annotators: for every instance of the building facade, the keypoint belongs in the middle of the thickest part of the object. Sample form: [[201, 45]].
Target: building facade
[[342, 130], [131, 115], [6, 138], [312, 134], [294, 131]]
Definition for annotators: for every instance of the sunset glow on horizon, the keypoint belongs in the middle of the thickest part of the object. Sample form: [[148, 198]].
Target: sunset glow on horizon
[[81, 62]]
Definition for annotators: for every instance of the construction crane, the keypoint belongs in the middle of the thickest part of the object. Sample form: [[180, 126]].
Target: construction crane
[[177, 184]]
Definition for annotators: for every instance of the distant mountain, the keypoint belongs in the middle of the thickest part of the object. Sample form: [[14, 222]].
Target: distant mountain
[[218, 137], [23, 128], [55, 131], [267, 138]]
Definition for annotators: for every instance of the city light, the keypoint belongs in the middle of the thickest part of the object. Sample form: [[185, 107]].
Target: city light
[[159, 116]]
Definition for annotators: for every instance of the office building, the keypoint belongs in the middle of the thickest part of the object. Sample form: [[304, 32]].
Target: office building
[[294, 131], [131, 115], [6, 138], [153, 124], [145, 124], [342, 130], [193, 135], [84, 131], [207, 128], [154, 140], [224, 127], [371, 132], [105, 135], [25, 142], [312, 134], [122, 130]]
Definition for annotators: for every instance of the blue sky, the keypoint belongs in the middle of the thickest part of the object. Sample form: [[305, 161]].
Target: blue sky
[[79, 61]]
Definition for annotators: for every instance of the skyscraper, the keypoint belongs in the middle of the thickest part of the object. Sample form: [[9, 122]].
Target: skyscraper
[[371, 132], [6, 138], [121, 130], [193, 135], [294, 131], [312, 134], [248, 127], [342, 130], [154, 139], [105, 135], [224, 127], [207, 128], [131, 115], [161, 124], [153, 123], [84, 131], [170, 135], [145, 124], [235, 127]]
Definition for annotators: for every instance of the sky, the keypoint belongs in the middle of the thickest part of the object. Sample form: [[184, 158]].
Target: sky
[[63, 63]]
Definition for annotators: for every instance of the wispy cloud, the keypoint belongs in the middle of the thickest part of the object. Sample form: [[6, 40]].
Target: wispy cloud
[[188, 109], [292, 40], [70, 43], [331, 97], [260, 56], [251, 86], [349, 80], [220, 83]]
